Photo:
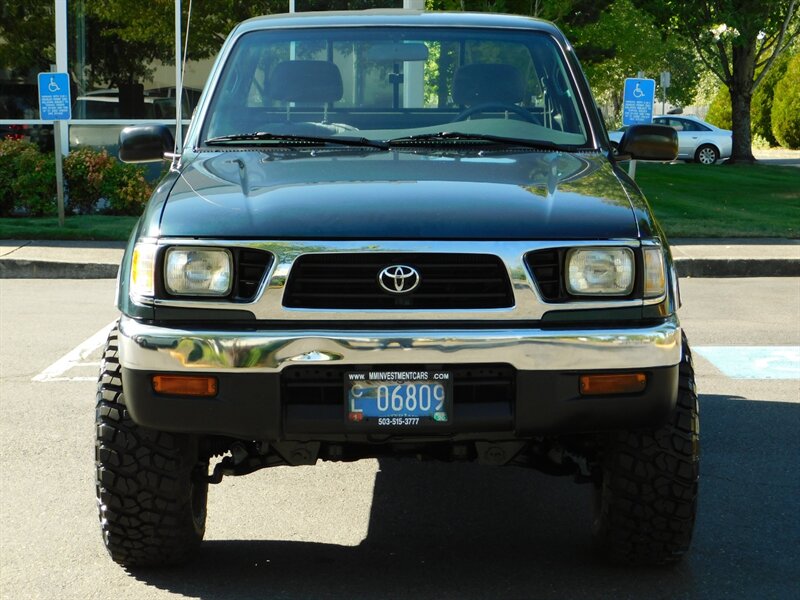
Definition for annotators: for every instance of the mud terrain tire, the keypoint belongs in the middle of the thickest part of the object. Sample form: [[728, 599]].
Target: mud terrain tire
[[150, 490], [645, 505]]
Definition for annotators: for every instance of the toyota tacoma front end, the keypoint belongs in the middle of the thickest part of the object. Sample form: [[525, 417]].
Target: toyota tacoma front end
[[396, 234]]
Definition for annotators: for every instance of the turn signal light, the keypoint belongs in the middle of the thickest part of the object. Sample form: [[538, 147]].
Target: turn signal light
[[184, 385], [625, 383]]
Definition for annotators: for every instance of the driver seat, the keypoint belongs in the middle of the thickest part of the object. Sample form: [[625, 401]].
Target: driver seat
[[488, 83], [306, 82]]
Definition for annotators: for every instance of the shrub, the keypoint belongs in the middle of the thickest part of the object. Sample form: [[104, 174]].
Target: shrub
[[761, 106], [759, 142], [27, 179], [85, 172], [93, 175], [35, 183], [126, 189], [786, 106], [9, 153], [719, 113]]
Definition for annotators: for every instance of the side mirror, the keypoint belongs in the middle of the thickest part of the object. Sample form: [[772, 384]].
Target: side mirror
[[649, 142], [145, 143]]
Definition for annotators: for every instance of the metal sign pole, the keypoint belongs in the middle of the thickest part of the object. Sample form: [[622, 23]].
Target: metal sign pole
[[665, 81], [55, 105], [59, 172]]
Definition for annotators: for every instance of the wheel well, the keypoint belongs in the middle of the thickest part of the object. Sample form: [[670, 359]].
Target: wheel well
[[709, 145]]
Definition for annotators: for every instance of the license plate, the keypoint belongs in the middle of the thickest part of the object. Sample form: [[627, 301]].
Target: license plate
[[398, 397]]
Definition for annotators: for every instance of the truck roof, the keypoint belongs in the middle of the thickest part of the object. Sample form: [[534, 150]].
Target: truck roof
[[397, 18]]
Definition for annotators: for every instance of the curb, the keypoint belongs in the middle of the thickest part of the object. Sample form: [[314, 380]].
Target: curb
[[737, 267], [686, 267], [11, 268]]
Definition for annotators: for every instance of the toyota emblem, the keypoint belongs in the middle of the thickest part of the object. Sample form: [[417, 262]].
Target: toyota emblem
[[399, 279]]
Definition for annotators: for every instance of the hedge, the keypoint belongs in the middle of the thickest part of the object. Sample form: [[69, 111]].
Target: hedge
[[94, 182], [786, 106]]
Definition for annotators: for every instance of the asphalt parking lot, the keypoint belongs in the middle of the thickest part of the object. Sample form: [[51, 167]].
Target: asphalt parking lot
[[389, 529]]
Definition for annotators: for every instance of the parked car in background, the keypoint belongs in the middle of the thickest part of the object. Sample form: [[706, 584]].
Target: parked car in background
[[697, 140]]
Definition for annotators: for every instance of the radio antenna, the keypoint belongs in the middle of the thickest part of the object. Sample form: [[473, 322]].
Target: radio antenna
[[180, 71]]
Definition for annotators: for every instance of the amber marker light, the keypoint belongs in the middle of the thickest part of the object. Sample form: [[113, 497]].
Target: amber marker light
[[618, 383], [142, 281], [185, 385]]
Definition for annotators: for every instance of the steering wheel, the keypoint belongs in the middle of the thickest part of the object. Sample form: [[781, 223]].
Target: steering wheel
[[497, 106]]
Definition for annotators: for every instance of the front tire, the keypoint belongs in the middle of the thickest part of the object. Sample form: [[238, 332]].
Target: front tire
[[706, 155], [646, 503], [151, 485]]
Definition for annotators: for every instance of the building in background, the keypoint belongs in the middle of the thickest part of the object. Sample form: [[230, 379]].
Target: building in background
[[120, 58]]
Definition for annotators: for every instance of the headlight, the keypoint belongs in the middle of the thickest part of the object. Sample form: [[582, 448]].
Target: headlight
[[198, 271], [142, 283], [600, 271], [654, 277]]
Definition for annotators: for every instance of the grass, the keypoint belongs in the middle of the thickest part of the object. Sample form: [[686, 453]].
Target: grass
[[692, 200], [689, 200], [84, 227]]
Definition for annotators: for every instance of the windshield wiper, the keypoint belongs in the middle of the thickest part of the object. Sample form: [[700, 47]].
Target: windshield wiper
[[456, 136], [309, 140]]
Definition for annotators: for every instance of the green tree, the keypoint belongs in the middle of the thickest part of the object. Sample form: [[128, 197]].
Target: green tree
[[637, 45], [27, 38], [613, 38], [570, 15], [126, 37], [738, 40], [786, 106], [124, 42]]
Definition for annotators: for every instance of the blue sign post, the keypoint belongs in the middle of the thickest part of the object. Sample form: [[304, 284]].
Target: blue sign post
[[55, 105], [637, 101]]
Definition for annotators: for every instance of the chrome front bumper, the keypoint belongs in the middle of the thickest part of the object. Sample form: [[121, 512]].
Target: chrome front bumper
[[152, 348]]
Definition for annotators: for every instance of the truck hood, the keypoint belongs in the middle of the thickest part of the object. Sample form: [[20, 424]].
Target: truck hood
[[366, 194]]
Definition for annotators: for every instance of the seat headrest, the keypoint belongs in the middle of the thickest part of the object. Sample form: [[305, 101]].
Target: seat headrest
[[305, 81], [479, 83]]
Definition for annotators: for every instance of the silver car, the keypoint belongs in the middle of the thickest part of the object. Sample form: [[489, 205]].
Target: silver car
[[697, 140]]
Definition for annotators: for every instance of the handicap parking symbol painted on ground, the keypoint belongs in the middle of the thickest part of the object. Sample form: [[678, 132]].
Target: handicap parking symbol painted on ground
[[754, 362]]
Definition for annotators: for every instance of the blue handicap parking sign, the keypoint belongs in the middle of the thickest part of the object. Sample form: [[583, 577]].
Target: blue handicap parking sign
[[54, 97], [637, 101]]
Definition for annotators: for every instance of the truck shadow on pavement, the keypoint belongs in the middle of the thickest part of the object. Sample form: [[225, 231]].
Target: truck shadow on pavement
[[466, 531]]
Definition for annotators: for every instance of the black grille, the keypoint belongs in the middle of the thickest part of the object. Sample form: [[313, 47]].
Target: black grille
[[547, 267], [350, 281], [251, 266]]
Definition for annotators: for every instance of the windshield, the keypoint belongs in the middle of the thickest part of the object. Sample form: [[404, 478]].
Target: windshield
[[400, 84]]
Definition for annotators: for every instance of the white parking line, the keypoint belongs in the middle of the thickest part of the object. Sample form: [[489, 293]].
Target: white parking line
[[75, 358]]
